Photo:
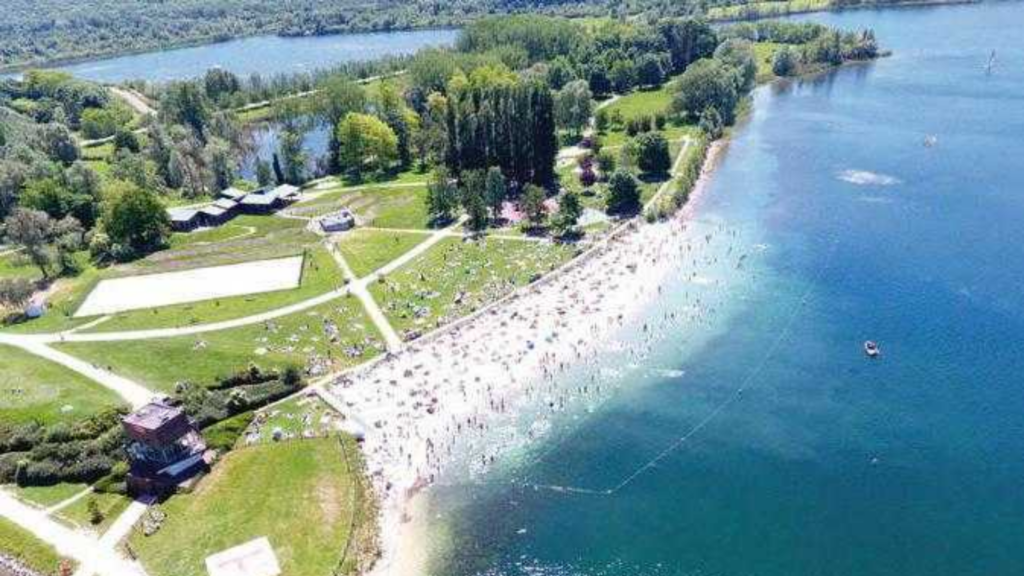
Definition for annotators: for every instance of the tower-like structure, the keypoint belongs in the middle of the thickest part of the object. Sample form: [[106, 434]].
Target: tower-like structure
[[165, 449]]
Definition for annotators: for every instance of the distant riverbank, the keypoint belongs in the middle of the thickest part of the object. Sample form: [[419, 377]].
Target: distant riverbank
[[774, 9], [264, 55]]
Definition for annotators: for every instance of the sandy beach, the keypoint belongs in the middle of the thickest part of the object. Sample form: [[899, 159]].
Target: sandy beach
[[413, 406]]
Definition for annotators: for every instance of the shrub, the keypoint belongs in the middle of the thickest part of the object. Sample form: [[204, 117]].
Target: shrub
[[223, 435]]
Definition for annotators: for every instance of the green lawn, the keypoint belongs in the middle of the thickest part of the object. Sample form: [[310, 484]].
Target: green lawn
[[320, 274], [294, 339], [367, 250], [247, 238], [380, 206], [111, 505], [265, 237], [300, 495], [645, 103], [455, 277], [755, 10], [15, 265], [302, 416], [764, 53], [47, 496], [32, 388], [66, 294], [22, 545]]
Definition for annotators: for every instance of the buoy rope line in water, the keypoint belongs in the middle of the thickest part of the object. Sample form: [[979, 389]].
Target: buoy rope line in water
[[746, 383]]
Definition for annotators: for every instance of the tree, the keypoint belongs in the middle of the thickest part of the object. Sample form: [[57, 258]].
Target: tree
[[605, 162], [338, 97], [103, 122], [185, 103], [220, 83], [54, 197], [93, 508], [569, 211], [442, 196], [366, 144], [623, 194], [292, 157], [711, 123], [16, 292], [533, 205], [31, 230], [784, 63], [622, 76], [496, 191], [688, 40], [135, 218], [59, 143], [652, 153], [598, 81], [738, 54], [649, 70], [560, 73], [222, 164], [573, 105], [278, 171], [705, 83], [474, 184], [125, 139], [264, 177]]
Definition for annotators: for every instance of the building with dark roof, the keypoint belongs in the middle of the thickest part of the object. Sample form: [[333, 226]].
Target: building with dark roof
[[165, 449]]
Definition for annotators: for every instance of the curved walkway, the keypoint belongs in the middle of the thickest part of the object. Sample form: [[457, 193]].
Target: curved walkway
[[93, 556]]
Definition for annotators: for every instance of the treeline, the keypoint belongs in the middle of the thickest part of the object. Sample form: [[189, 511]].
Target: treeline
[[38, 31]]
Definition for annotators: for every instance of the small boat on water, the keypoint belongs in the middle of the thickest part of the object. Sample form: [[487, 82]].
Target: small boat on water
[[871, 349]]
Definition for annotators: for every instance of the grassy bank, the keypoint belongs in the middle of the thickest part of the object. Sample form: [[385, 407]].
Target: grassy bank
[[303, 339], [310, 496], [34, 389]]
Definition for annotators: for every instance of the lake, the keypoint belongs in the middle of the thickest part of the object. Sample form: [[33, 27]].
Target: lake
[[758, 438], [266, 55]]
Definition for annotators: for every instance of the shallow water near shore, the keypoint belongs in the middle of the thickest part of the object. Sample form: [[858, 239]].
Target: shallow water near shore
[[749, 434]]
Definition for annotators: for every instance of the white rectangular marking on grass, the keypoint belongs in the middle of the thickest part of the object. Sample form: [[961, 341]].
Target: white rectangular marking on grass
[[154, 290], [254, 558]]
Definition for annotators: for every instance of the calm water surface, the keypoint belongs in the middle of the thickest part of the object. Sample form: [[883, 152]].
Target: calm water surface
[[265, 55], [801, 457]]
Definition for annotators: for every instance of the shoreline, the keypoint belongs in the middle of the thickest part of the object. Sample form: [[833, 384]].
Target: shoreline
[[906, 4], [413, 406]]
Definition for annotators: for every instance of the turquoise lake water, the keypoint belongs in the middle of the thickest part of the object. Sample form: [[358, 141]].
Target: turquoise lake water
[[265, 55], [760, 441]]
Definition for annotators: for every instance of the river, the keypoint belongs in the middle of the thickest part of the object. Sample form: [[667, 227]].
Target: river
[[265, 55], [758, 439]]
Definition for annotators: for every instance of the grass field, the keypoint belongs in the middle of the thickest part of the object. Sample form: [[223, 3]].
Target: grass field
[[32, 388], [764, 53], [380, 206], [246, 238], [26, 548], [756, 10], [296, 417], [14, 265], [303, 339], [456, 276], [320, 274], [110, 505], [301, 495], [47, 496], [367, 250]]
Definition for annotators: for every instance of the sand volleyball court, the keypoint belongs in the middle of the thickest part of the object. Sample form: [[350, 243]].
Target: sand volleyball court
[[154, 290]]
